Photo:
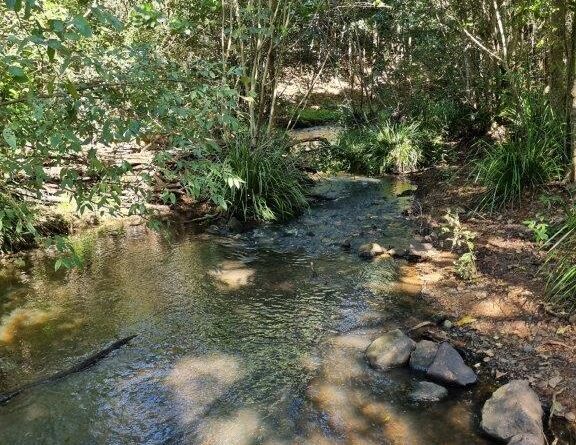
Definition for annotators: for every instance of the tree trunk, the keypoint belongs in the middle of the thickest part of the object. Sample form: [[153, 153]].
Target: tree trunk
[[558, 52], [571, 99], [573, 131]]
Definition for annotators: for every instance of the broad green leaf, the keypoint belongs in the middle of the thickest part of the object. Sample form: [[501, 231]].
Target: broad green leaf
[[13, 5], [10, 137], [17, 72], [82, 25], [51, 52], [71, 88]]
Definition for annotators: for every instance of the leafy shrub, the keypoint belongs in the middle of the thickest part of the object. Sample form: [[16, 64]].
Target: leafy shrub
[[532, 156], [16, 223], [447, 117], [465, 266], [461, 239], [539, 228]]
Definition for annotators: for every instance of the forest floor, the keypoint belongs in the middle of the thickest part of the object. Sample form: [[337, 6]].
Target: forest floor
[[500, 315]]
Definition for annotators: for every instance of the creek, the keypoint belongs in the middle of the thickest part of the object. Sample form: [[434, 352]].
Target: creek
[[253, 338]]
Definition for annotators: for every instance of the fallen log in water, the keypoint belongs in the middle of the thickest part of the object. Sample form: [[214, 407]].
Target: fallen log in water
[[79, 367]]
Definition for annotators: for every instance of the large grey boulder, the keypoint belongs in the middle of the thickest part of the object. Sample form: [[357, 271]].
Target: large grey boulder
[[390, 350], [370, 251], [514, 414], [423, 355], [449, 367], [428, 392]]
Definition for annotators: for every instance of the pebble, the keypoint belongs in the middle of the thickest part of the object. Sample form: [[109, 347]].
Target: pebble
[[448, 324]]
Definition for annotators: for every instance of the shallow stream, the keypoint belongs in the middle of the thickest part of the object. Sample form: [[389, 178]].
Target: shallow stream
[[244, 339]]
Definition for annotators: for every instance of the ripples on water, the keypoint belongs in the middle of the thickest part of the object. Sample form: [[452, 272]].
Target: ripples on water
[[256, 340]]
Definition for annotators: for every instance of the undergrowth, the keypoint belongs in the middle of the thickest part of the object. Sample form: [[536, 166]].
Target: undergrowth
[[530, 157], [382, 148], [258, 182], [561, 286]]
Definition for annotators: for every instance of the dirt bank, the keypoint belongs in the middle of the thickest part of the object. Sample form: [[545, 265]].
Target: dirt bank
[[501, 314]]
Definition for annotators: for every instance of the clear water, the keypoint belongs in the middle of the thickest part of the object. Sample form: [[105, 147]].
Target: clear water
[[249, 339]]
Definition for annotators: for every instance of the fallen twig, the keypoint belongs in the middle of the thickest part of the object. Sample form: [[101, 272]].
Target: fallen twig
[[82, 366], [420, 325]]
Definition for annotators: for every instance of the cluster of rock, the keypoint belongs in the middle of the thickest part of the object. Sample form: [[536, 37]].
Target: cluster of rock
[[441, 362], [513, 413]]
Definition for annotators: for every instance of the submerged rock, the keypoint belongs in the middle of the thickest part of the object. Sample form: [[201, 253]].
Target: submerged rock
[[234, 225], [390, 350], [370, 250], [514, 414], [449, 367], [423, 356], [428, 392]]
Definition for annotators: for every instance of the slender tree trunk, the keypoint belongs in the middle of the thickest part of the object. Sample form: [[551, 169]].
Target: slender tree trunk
[[558, 52], [571, 98], [573, 131]]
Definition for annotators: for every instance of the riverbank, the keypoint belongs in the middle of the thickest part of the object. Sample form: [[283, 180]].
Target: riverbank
[[501, 314]]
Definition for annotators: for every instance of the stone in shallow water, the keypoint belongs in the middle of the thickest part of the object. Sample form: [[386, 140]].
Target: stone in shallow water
[[428, 392], [390, 350], [449, 367], [514, 414], [370, 250], [423, 356]]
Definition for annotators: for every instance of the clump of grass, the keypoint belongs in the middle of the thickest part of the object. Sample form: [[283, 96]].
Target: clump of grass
[[561, 286], [530, 157], [403, 143], [382, 148], [270, 186], [253, 181]]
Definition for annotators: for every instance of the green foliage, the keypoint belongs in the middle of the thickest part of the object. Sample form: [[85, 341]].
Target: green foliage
[[532, 155], [76, 83], [461, 239], [465, 266], [446, 117], [540, 228], [271, 186], [16, 223], [561, 286], [258, 182], [382, 148], [311, 116], [403, 143]]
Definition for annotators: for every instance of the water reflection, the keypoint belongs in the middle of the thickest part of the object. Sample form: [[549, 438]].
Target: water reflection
[[233, 274]]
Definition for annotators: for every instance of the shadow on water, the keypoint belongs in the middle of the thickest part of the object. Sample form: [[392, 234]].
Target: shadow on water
[[254, 339]]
